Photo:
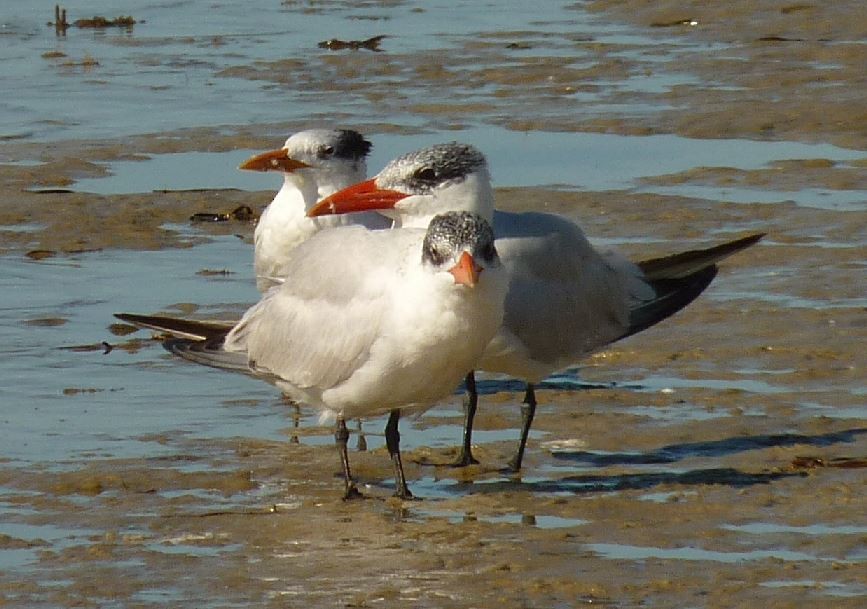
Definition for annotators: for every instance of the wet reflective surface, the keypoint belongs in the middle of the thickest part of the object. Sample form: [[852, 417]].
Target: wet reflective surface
[[716, 460]]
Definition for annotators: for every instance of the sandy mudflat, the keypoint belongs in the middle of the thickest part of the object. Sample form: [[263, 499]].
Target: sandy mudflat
[[720, 462]]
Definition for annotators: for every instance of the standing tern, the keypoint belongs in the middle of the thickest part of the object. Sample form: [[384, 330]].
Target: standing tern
[[565, 300], [315, 163], [371, 322]]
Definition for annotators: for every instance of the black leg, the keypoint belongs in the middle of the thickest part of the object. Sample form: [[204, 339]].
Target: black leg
[[296, 422], [341, 437], [392, 442], [471, 402], [528, 411], [361, 444]]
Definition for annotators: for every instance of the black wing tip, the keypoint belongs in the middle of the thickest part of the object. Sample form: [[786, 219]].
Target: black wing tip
[[684, 264], [674, 295], [747, 241], [128, 317], [178, 326]]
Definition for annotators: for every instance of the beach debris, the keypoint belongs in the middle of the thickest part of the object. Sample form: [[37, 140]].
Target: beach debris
[[817, 462], [675, 23], [778, 39], [46, 322], [242, 213], [122, 329], [214, 273], [103, 346], [335, 44], [61, 24], [80, 390], [43, 254], [86, 63], [102, 22], [40, 254]]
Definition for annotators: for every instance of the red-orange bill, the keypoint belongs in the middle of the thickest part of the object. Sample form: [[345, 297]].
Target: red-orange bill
[[466, 271], [364, 196], [273, 160]]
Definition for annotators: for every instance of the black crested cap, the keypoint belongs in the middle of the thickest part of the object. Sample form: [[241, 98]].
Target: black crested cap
[[351, 145], [422, 170], [312, 144]]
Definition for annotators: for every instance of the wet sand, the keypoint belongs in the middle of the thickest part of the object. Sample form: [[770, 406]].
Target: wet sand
[[717, 460]]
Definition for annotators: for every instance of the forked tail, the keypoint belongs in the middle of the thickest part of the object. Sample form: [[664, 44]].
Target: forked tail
[[178, 327], [678, 279]]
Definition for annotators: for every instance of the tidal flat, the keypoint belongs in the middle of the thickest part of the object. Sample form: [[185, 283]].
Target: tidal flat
[[716, 460]]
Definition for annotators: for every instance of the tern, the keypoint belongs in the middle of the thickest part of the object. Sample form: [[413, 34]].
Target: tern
[[315, 163], [566, 299], [371, 322]]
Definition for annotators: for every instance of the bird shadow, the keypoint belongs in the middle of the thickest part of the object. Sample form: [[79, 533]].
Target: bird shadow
[[595, 483], [712, 448], [727, 476], [494, 386]]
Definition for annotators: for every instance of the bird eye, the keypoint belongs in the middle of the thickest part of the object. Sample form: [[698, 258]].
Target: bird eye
[[432, 253], [426, 174], [325, 151], [437, 257], [490, 252]]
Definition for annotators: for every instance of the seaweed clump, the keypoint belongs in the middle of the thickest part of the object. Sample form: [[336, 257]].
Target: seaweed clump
[[61, 24]]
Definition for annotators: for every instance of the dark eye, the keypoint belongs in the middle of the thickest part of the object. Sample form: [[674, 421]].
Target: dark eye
[[426, 174], [490, 252], [432, 253], [436, 256], [325, 151]]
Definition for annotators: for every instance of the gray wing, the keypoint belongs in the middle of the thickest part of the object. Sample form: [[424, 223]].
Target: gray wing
[[565, 298], [319, 326]]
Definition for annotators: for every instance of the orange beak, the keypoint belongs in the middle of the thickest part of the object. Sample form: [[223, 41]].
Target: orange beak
[[466, 271], [363, 196], [273, 160]]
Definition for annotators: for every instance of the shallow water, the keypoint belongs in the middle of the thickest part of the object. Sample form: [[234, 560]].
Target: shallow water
[[609, 162], [179, 59], [714, 461]]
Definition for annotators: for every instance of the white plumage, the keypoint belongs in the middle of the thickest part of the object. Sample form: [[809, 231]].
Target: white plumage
[[315, 163], [371, 321], [565, 300]]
